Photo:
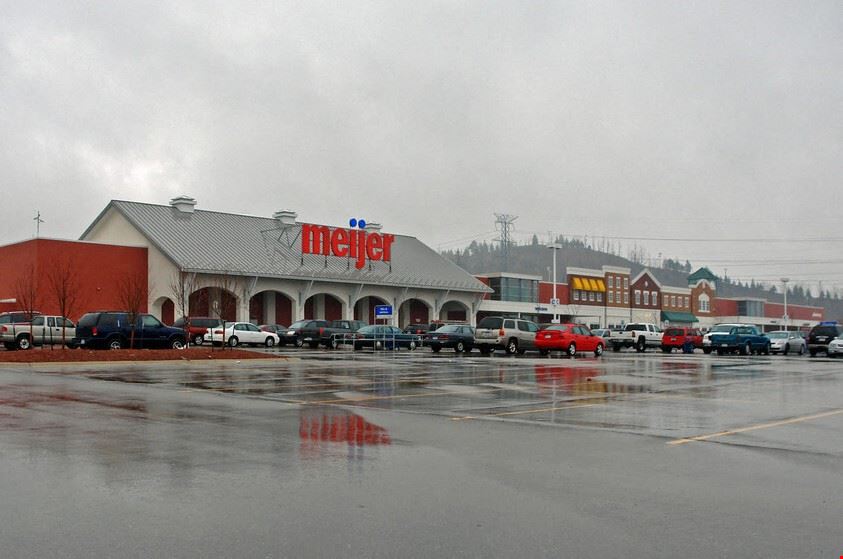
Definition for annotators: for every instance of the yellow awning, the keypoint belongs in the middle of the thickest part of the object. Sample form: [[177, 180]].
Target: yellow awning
[[589, 284]]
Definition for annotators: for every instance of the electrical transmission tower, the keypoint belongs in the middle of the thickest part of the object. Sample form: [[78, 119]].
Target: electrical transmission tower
[[503, 223]]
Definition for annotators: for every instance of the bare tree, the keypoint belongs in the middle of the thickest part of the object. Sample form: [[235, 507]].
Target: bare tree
[[133, 292], [226, 304], [181, 285], [26, 291], [63, 280]]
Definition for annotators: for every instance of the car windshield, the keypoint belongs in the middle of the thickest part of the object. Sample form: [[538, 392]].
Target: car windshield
[[631, 327], [558, 327], [491, 323], [447, 329], [722, 328], [673, 332], [88, 320], [299, 324], [777, 335], [824, 331]]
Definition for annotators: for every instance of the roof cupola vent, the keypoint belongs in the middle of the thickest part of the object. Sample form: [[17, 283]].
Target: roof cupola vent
[[184, 204], [286, 217]]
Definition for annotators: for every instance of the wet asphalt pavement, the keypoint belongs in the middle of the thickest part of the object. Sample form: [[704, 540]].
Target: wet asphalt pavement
[[410, 454]]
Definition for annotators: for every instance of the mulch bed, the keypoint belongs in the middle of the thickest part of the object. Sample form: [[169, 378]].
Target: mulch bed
[[46, 355]]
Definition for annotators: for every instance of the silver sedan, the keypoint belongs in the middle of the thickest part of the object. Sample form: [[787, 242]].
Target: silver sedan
[[785, 342]]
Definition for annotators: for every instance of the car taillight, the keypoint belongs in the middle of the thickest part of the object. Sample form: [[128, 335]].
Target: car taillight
[[443, 337], [501, 333], [4, 329], [94, 331], [321, 331]]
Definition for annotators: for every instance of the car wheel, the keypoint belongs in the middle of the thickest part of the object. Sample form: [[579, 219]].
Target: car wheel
[[707, 350], [801, 350], [572, 349], [298, 342], [24, 343], [616, 348], [115, 343], [177, 343], [641, 345], [747, 349], [786, 349], [233, 341], [357, 347], [544, 352], [411, 347], [435, 348], [766, 349], [460, 347], [313, 345], [667, 349], [720, 352], [333, 343], [197, 340], [512, 346], [599, 350], [270, 342], [485, 350]]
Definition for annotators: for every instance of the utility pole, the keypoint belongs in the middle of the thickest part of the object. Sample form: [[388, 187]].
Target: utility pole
[[38, 221], [555, 302], [785, 317], [503, 223]]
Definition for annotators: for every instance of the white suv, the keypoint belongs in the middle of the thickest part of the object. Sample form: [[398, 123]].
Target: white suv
[[515, 335]]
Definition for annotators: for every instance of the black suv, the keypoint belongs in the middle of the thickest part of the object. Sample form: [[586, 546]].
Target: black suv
[[113, 330], [821, 335]]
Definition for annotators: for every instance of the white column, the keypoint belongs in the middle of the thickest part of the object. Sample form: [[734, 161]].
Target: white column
[[269, 307]]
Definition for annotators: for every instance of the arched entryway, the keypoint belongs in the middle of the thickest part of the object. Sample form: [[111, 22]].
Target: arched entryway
[[271, 307], [323, 306], [364, 308], [165, 310], [454, 311], [413, 311], [213, 302]]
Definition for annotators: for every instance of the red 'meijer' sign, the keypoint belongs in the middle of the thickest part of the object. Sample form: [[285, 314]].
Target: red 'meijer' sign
[[357, 245]]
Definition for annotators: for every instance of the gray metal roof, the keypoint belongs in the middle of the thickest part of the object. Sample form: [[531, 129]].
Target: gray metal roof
[[207, 241]]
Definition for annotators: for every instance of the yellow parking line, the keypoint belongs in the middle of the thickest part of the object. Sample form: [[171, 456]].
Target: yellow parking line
[[755, 427]]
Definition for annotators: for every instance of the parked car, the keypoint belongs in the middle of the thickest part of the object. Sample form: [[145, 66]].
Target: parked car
[[384, 337], [310, 332], [835, 347], [716, 329], [676, 337], [784, 342], [274, 328], [339, 332], [515, 335], [237, 333], [17, 317], [423, 328], [569, 338], [293, 334], [603, 333], [459, 337], [637, 335], [114, 330], [821, 336], [42, 330], [197, 327], [746, 340]]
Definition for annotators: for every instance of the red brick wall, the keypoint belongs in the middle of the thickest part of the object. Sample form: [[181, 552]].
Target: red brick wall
[[726, 307], [796, 312], [645, 283], [100, 269]]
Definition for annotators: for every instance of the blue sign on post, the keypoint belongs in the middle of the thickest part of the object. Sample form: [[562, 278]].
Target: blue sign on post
[[382, 311]]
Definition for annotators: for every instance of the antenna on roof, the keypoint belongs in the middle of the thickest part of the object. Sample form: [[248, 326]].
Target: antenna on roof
[[38, 221]]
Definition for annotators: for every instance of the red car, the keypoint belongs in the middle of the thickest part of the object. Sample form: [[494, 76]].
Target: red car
[[569, 338], [199, 325], [676, 338]]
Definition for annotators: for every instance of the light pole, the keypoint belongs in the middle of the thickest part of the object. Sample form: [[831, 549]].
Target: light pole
[[555, 301], [785, 317]]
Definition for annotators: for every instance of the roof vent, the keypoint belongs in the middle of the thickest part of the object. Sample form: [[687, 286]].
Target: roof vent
[[286, 217], [184, 204], [373, 226]]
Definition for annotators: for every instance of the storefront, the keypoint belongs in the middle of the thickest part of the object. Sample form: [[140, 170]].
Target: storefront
[[278, 270]]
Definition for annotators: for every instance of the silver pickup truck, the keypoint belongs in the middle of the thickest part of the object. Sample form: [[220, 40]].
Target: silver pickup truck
[[42, 330]]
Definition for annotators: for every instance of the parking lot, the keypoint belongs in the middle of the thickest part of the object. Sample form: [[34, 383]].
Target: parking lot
[[397, 453]]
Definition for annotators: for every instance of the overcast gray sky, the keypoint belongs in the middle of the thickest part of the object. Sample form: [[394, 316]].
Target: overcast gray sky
[[652, 119]]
